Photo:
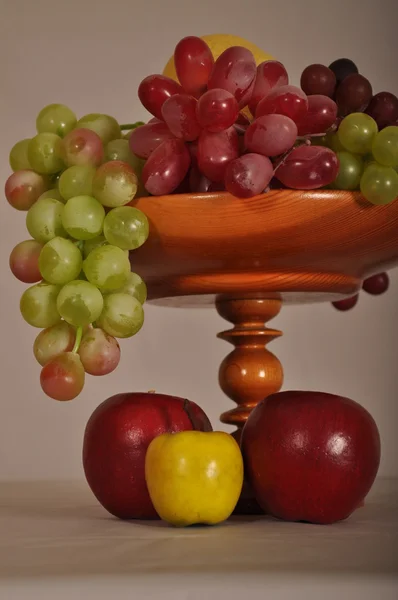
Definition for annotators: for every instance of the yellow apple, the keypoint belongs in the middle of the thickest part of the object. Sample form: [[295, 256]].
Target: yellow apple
[[194, 477]]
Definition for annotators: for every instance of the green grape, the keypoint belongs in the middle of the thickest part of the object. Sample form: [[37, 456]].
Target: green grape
[[90, 245], [44, 220], [39, 305], [83, 217], [54, 194], [120, 150], [356, 133], [107, 267], [122, 316], [136, 287], [56, 118], [350, 171], [80, 303], [52, 341], [60, 261], [126, 227], [19, 156], [385, 147], [332, 141], [76, 181], [45, 153], [379, 184], [114, 184], [103, 125]]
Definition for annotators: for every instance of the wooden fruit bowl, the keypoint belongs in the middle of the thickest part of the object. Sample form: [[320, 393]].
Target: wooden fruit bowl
[[249, 256]]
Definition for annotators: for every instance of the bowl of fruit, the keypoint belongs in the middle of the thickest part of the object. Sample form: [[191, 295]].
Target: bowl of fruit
[[240, 191]]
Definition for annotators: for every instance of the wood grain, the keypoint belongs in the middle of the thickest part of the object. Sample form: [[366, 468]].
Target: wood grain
[[288, 244], [250, 372]]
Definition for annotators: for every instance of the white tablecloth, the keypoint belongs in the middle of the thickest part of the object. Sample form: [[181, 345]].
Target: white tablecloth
[[57, 542]]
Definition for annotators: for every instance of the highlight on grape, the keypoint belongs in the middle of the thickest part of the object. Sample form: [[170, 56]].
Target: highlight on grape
[[225, 125]]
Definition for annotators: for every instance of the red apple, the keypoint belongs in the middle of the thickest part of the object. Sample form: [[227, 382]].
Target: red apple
[[310, 456], [116, 439]]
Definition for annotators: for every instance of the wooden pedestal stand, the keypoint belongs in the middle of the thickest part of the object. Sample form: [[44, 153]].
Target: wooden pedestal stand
[[246, 257]]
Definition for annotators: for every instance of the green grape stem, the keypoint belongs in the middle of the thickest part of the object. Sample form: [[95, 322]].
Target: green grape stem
[[129, 126], [79, 333]]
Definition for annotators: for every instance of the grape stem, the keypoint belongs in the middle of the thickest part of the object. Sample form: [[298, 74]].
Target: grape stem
[[79, 333], [128, 126]]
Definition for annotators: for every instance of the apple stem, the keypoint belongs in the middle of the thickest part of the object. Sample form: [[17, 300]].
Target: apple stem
[[79, 333], [188, 412]]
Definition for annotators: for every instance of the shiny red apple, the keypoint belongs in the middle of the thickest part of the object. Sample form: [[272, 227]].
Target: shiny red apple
[[310, 456], [116, 439]]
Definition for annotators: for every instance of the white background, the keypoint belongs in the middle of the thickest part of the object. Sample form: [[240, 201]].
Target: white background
[[91, 55]]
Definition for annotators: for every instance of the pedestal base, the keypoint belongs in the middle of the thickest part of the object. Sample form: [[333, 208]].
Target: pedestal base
[[250, 372]]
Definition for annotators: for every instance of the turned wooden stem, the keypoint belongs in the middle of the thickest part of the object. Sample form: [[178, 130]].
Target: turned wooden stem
[[250, 372]]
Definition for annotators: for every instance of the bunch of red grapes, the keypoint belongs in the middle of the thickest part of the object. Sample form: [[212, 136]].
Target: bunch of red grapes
[[200, 140]]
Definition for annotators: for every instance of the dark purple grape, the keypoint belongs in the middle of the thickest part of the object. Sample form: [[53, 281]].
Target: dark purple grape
[[353, 94], [346, 303], [342, 67], [377, 284], [318, 79], [383, 108]]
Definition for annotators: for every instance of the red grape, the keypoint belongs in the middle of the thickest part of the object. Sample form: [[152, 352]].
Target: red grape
[[346, 303], [23, 188], [248, 175], [53, 341], [322, 113], [353, 94], [271, 135], [166, 168], [198, 183], [286, 100], [179, 113], [154, 90], [145, 139], [234, 71], [24, 261], [217, 186], [383, 108], [217, 110], [242, 120], [308, 168], [193, 151], [270, 74], [342, 67], [377, 284], [184, 187], [62, 378], [82, 147], [193, 62], [215, 151], [99, 352], [318, 79]]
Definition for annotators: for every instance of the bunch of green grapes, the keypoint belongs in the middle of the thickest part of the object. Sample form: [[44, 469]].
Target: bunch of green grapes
[[77, 182], [368, 158]]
